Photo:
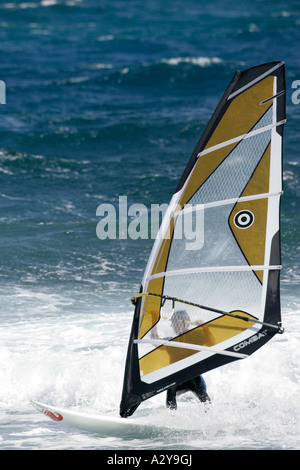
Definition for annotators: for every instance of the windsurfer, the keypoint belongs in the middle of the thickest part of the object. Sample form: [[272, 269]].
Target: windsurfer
[[181, 323]]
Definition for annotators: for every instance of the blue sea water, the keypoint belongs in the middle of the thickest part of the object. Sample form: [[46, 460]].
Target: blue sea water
[[107, 98]]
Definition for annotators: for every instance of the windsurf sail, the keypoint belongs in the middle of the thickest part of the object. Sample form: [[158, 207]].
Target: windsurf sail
[[211, 296]]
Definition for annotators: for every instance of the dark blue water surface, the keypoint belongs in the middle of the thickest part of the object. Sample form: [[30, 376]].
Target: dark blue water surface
[[108, 98]]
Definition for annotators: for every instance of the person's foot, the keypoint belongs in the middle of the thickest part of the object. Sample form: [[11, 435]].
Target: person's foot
[[171, 405], [198, 386], [171, 399], [203, 395]]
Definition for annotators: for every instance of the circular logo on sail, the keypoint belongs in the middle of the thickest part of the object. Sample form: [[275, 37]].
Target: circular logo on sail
[[244, 219]]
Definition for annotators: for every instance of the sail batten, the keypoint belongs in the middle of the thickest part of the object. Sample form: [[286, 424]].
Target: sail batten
[[194, 347], [260, 77], [228, 258], [213, 269], [241, 137], [223, 202]]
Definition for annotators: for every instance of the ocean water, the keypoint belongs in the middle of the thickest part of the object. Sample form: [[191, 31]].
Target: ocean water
[[106, 98]]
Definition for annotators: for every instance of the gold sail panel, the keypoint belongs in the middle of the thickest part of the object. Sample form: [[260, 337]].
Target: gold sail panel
[[241, 116], [243, 113], [209, 334], [250, 234]]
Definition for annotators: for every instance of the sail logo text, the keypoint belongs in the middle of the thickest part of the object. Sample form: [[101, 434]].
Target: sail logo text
[[251, 340], [137, 222]]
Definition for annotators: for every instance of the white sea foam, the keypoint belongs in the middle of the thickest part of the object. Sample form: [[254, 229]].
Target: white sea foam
[[201, 61], [106, 37], [41, 3], [101, 66], [77, 361]]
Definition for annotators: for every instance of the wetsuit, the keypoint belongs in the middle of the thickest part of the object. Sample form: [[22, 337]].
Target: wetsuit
[[196, 385]]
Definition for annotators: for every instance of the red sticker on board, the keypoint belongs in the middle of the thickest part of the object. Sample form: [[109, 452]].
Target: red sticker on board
[[53, 415]]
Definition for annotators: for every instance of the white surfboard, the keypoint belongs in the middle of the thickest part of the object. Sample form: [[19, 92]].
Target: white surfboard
[[99, 424]]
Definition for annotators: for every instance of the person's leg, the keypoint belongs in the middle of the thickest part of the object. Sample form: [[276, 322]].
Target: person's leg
[[171, 398], [198, 387]]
